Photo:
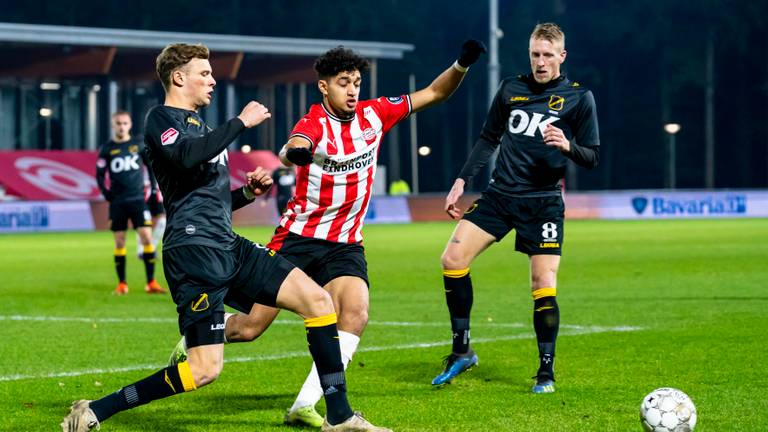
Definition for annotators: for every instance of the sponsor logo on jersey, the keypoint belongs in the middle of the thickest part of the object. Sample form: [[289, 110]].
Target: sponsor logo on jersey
[[353, 164], [556, 102], [169, 136], [194, 121], [519, 98], [521, 122], [395, 100], [114, 152], [125, 163]]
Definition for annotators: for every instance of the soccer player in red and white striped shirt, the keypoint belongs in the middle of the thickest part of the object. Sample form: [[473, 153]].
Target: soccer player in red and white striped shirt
[[335, 147]]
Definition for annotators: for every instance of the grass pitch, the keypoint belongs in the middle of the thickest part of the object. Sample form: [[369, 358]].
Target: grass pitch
[[643, 305]]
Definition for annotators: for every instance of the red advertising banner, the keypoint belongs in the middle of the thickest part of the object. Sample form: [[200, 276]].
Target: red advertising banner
[[70, 175]]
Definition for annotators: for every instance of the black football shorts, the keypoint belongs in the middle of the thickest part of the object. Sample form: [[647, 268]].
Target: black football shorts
[[121, 212], [322, 260], [538, 221], [203, 279]]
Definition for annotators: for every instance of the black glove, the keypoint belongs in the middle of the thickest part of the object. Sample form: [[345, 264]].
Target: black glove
[[470, 52], [299, 155]]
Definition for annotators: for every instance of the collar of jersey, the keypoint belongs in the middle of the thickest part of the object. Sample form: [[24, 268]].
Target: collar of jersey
[[333, 117]]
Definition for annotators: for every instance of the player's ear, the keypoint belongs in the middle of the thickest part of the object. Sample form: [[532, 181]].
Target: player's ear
[[322, 85], [178, 77], [562, 55]]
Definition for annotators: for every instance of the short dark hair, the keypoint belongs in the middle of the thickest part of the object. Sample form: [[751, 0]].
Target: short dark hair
[[175, 56], [338, 60]]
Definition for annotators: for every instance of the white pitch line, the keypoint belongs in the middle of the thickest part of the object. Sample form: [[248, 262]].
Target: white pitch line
[[150, 320], [577, 330]]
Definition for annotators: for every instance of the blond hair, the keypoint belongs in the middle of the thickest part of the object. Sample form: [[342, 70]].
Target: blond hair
[[551, 32], [176, 56]]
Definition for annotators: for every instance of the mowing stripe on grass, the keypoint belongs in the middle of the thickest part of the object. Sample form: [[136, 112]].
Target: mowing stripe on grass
[[570, 331]]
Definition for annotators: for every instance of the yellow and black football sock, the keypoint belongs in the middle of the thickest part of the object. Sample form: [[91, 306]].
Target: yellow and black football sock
[[546, 323], [323, 339], [458, 296], [120, 263], [149, 261], [163, 383]]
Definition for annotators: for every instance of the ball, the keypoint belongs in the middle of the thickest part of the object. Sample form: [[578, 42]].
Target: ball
[[667, 410]]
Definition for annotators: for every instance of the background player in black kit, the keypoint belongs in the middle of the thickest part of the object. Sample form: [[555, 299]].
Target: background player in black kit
[[285, 183], [124, 160], [206, 264], [534, 119]]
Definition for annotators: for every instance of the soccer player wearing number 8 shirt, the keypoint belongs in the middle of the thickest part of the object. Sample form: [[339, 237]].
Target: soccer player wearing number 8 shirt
[[336, 146], [538, 121]]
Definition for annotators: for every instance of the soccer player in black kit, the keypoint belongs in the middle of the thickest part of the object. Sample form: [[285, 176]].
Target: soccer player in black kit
[[123, 158], [206, 264], [538, 121]]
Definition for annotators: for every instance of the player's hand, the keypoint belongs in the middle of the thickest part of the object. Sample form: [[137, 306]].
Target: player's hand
[[258, 181], [470, 52], [299, 155], [453, 196], [253, 114], [554, 137]]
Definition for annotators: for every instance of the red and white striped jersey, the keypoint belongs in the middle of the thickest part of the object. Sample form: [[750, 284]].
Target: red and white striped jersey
[[333, 192]]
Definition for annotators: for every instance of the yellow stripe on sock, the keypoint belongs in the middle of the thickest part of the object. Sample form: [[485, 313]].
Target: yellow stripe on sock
[[321, 321], [544, 292], [185, 373], [149, 248], [455, 274], [121, 251]]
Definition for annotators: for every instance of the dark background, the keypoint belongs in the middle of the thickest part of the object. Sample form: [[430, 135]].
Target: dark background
[[643, 59]]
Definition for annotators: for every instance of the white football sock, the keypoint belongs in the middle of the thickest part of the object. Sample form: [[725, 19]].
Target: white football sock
[[139, 246], [227, 316], [311, 391], [158, 231]]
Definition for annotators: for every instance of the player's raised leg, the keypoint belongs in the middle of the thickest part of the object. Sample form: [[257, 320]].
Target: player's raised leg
[[300, 294], [201, 368], [466, 243], [546, 317]]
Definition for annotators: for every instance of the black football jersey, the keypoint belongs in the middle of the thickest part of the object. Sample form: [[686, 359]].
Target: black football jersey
[[518, 115], [190, 162], [125, 163]]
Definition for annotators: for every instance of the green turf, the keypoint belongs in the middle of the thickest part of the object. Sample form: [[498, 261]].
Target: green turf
[[698, 291]]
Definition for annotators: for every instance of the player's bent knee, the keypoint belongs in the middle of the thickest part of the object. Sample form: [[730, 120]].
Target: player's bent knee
[[451, 260]]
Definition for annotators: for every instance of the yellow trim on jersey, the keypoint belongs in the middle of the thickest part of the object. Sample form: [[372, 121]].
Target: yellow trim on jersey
[[121, 251], [321, 321], [185, 373], [544, 292], [149, 248], [455, 274]]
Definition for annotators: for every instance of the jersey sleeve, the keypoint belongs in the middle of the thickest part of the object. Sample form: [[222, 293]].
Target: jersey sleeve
[[308, 128], [392, 110], [496, 120], [585, 126], [168, 136]]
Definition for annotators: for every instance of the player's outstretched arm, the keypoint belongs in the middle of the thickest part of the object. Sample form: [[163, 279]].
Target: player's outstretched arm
[[258, 182], [297, 151], [447, 82]]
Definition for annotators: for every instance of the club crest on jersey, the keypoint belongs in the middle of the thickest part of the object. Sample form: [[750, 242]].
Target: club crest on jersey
[[556, 102], [369, 134], [169, 136], [133, 149], [395, 100]]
